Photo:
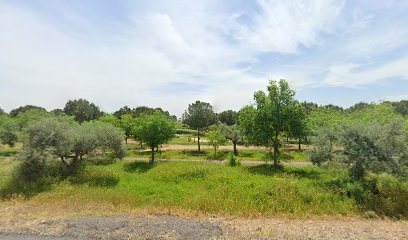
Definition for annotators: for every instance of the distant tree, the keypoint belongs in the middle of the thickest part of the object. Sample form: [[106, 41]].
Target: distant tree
[[15, 112], [332, 107], [264, 122], [24, 118], [2, 112], [57, 112], [154, 129], [123, 111], [9, 130], [232, 133], [82, 110], [111, 119], [358, 106], [298, 125], [127, 123], [308, 107], [228, 117], [216, 139], [199, 115], [401, 107]]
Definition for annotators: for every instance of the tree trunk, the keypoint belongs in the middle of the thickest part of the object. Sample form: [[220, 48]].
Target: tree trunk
[[275, 150], [299, 147], [215, 151], [235, 148], [126, 140], [72, 166], [152, 160], [198, 139]]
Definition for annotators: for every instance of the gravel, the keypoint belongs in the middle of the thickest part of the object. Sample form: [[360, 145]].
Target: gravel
[[172, 227]]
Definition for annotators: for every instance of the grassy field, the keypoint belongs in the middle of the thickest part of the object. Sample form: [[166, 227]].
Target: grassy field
[[261, 155], [201, 188]]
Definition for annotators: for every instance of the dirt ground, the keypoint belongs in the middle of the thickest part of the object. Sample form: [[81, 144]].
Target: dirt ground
[[176, 227]]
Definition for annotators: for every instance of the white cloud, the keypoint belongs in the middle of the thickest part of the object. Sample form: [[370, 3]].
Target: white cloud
[[353, 75]]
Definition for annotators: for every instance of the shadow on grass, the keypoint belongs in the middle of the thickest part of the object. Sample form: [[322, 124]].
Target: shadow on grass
[[138, 167], [96, 181], [8, 153], [270, 170]]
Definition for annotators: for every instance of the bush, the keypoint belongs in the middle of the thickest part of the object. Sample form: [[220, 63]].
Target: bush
[[233, 161]]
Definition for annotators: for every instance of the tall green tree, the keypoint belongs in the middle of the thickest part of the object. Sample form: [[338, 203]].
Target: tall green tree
[[9, 131], [82, 110], [270, 116], [199, 115], [228, 117], [127, 123], [298, 125], [154, 130]]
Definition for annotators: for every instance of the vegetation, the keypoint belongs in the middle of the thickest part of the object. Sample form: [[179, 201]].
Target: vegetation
[[361, 155], [270, 117], [199, 115], [82, 110], [216, 139], [154, 129]]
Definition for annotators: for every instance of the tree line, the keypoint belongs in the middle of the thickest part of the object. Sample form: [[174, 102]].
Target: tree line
[[364, 137]]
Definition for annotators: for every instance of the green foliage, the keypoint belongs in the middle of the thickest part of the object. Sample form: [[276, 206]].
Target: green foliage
[[9, 131], [25, 118], [323, 150], [199, 115], [111, 119], [154, 129], [263, 123], [228, 117], [233, 161], [82, 110], [15, 112], [216, 139], [232, 133], [127, 123], [73, 141]]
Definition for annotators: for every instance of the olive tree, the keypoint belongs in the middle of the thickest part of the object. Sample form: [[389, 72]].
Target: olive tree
[[154, 129], [232, 133], [199, 115], [270, 116], [70, 142]]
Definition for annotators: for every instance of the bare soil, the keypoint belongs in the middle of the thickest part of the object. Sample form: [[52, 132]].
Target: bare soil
[[175, 227]]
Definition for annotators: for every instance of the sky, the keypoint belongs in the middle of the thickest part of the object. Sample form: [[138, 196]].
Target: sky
[[170, 53]]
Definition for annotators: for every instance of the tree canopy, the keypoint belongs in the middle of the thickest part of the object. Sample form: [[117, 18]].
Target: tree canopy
[[199, 115], [154, 129], [269, 117], [82, 110], [228, 117]]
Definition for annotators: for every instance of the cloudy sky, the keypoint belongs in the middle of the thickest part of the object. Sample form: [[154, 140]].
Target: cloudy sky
[[169, 53]]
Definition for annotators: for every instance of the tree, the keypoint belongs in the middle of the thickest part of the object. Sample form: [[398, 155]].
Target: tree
[[154, 129], [111, 119], [298, 125], [82, 110], [9, 130], [269, 117], [215, 139], [199, 115], [2, 112], [25, 108], [232, 133], [228, 117], [70, 142], [127, 123], [122, 111]]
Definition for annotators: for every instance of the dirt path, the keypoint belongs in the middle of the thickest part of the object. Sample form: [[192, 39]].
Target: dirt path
[[165, 147], [172, 227]]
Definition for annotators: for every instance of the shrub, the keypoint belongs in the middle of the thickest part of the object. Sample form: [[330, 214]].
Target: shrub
[[232, 160]]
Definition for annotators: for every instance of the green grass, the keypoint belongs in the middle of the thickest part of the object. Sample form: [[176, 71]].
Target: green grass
[[261, 155], [206, 188]]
